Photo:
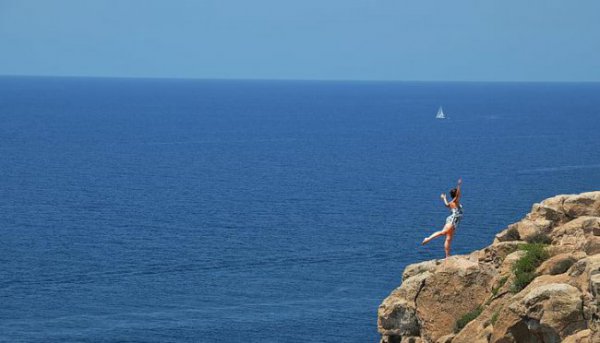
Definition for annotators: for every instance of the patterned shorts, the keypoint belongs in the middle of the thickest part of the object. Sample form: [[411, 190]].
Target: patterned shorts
[[454, 219]]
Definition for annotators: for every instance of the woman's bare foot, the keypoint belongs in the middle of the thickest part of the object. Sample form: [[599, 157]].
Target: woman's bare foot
[[425, 241]]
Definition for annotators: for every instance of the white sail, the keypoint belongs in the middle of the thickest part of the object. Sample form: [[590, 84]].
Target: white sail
[[440, 114]]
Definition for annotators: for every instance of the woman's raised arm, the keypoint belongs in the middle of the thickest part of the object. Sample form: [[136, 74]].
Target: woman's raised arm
[[458, 184]]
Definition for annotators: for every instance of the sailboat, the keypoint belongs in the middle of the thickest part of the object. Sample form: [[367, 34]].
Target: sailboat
[[440, 114]]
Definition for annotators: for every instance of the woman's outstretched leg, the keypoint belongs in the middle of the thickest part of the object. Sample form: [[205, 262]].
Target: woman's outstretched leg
[[448, 242], [442, 232]]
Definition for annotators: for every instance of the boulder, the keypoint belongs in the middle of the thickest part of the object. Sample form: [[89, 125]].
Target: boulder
[[529, 230], [397, 314], [545, 313], [584, 204], [446, 339], [508, 262], [509, 234], [496, 253], [554, 203], [417, 268], [580, 337], [550, 209], [576, 235], [479, 330], [397, 339], [442, 299], [560, 263]]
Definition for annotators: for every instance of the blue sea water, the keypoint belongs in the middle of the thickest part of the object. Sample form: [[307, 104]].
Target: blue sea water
[[258, 211]]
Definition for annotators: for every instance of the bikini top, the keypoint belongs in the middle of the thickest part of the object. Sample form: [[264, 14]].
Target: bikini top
[[457, 210]]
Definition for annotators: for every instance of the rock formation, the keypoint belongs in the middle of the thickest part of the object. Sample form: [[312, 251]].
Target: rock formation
[[538, 282]]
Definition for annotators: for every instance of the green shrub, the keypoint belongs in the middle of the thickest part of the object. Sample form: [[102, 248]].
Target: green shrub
[[501, 283], [537, 252], [521, 281], [524, 268], [465, 319], [495, 317]]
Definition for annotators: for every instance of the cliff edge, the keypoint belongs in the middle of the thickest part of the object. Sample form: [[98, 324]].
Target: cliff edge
[[539, 281]]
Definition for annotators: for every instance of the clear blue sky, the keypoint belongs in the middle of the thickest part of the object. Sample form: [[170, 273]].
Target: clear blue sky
[[532, 40]]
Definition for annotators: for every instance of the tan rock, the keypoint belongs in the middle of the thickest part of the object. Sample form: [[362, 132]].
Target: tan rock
[[496, 253], [577, 227], [479, 330], [560, 263], [582, 273], [529, 229], [546, 313], [595, 333], [474, 333], [396, 339], [509, 234], [580, 337], [446, 339], [411, 340], [555, 203], [584, 204], [417, 268], [510, 260], [576, 235], [396, 316], [592, 245], [595, 285], [442, 299]]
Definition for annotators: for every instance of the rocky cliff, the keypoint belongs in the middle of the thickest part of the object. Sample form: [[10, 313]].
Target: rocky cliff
[[539, 281]]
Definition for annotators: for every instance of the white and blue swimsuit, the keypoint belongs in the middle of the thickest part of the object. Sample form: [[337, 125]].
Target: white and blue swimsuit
[[455, 216]]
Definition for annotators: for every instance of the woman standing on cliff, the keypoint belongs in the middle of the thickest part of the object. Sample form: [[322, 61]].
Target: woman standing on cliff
[[452, 220]]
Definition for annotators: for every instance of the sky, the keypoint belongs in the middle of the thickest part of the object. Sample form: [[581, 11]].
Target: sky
[[420, 40]]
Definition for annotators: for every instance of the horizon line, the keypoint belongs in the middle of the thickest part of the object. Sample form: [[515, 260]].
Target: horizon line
[[178, 78]]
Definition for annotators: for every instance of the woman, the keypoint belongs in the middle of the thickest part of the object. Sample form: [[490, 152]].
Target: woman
[[452, 220]]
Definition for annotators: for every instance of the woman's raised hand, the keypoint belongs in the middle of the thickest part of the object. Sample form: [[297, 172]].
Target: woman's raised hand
[[443, 195]]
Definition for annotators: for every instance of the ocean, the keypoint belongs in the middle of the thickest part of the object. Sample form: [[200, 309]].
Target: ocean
[[148, 210]]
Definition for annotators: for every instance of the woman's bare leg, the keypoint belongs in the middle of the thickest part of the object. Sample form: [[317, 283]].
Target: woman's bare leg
[[442, 232], [448, 242]]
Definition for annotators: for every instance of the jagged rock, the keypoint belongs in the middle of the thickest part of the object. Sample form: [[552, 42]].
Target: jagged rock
[[582, 272], [576, 235], [561, 304], [480, 330], [446, 339], [592, 245], [555, 203], [550, 209], [546, 313], [580, 226], [560, 263], [584, 204], [404, 314], [398, 339], [417, 268], [475, 332], [529, 229], [509, 234], [580, 337], [509, 261], [441, 300], [496, 253], [397, 314]]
